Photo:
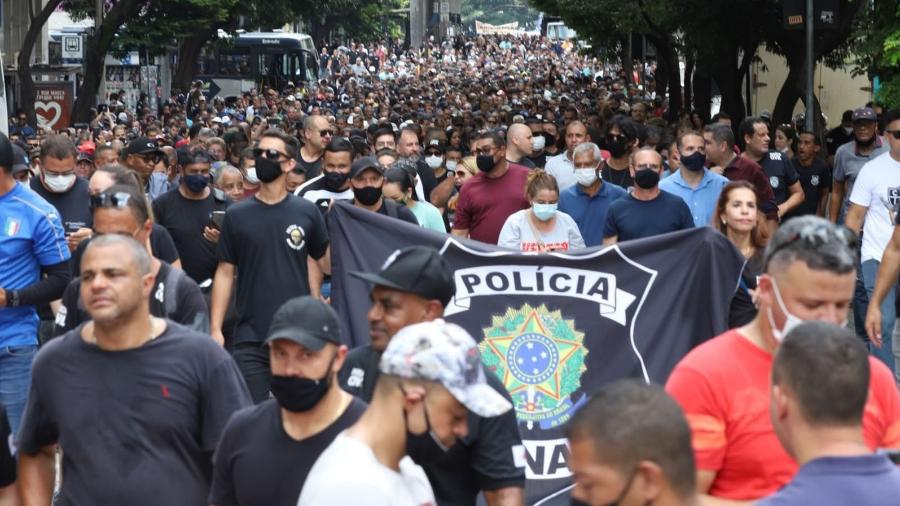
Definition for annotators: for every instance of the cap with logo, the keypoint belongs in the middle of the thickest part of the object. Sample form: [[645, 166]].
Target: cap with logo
[[364, 163], [444, 353], [864, 114], [436, 144], [418, 270], [84, 156], [306, 321], [142, 146]]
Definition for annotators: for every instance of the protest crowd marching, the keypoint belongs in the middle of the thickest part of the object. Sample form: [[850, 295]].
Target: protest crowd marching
[[168, 326]]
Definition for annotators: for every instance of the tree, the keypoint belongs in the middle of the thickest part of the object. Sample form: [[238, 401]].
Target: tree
[[23, 63], [878, 41]]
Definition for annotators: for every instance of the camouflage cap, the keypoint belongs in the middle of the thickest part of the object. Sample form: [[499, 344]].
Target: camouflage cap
[[445, 353]]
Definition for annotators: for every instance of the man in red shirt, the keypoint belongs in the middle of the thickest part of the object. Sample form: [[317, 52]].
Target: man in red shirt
[[723, 384], [492, 195]]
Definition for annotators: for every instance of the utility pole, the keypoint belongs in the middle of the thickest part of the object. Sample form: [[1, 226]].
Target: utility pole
[[810, 68], [98, 20]]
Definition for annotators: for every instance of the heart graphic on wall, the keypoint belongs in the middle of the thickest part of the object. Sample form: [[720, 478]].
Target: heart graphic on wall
[[48, 114]]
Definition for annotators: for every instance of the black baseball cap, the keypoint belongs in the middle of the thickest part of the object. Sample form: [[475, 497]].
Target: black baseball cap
[[20, 159], [142, 146], [418, 270], [436, 144], [364, 163], [306, 321]]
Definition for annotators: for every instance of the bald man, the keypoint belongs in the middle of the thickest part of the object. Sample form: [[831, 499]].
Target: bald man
[[562, 166], [519, 145], [646, 211]]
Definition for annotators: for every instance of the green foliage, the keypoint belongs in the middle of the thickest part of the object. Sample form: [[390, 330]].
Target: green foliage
[[889, 93]]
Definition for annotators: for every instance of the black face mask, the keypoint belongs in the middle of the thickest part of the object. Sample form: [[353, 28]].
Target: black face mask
[[334, 181], [299, 395], [617, 147], [485, 163], [367, 195], [550, 140], [267, 170], [426, 447], [646, 178]]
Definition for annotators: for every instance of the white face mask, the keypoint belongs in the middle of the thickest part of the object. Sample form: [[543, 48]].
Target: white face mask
[[537, 143], [59, 184], [451, 165], [251, 175], [790, 322], [586, 177], [434, 161]]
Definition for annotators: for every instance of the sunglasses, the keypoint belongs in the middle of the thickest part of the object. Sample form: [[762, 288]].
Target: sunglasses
[[117, 200], [326, 133], [269, 154], [893, 133], [152, 157]]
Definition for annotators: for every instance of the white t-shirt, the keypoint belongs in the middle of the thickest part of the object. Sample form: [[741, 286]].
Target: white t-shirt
[[347, 472], [517, 234], [877, 187]]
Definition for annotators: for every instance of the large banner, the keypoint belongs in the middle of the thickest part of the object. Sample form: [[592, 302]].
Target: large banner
[[555, 327], [53, 104], [489, 29]]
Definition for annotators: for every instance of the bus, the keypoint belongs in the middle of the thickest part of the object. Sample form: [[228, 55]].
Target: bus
[[257, 59]]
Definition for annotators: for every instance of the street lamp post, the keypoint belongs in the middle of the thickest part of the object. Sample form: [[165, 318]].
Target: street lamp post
[[810, 67]]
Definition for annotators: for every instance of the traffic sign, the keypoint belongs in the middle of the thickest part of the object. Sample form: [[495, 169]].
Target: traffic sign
[[72, 47]]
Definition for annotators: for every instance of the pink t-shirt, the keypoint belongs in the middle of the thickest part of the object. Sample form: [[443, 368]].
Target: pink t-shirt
[[485, 203]]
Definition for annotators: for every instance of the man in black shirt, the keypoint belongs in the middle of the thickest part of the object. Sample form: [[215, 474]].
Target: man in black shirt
[[141, 156], [783, 177], [815, 176], [409, 147], [266, 451], [414, 286], [137, 402], [270, 239], [839, 136], [334, 181], [123, 210], [366, 180], [187, 212], [317, 134], [65, 191]]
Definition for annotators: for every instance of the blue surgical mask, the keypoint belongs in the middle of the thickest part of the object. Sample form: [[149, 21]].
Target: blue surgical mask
[[544, 212]]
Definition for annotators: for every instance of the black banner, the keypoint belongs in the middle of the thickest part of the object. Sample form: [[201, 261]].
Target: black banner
[[554, 327]]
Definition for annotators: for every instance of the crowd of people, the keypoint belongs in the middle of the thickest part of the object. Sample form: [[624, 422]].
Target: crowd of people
[[174, 270]]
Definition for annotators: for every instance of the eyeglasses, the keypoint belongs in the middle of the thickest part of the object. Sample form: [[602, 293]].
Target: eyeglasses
[[269, 154], [117, 200], [326, 133], [816, 235], [894, 133]]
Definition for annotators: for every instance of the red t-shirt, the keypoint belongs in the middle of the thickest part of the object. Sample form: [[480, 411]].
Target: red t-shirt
[[485, 203], [723, 386]]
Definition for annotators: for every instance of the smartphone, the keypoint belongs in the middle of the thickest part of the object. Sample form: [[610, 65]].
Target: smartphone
[[215, 219]]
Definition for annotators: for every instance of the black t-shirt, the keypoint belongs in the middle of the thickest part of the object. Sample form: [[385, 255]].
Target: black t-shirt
[[538, 161], [312, 169], [483, 460], [742, 311], [314, 191], [620, 178], [138, 426], [813, 179], [395, 210], [161, 246], [7, 461], [185, 219], [526, 162], [781, 174], [630, 218], [427, 177], [74, 206], [269, 244], [835, 138], [174, 296], [257, 463]]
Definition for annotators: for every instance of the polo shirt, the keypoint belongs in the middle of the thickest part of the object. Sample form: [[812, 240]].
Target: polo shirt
[[700, 200], [589, 212], [848, 161], [562, 168]]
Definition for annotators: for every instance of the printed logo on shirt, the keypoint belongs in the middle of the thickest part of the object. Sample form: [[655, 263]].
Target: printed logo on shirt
[[11, 227], [356, 378], [295, 237], [160, 293], [893, 196], [814, 180], [774, 155], [774, 182], [60, 320]]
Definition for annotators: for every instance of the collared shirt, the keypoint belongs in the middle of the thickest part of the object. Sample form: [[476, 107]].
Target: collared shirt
[[702, 199], [589, 212], [562, 168]]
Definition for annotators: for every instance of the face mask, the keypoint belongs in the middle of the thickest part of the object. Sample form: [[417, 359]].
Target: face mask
[[586, 177], [549, 140], [451, 165], [195, 182], [485, 163], [617, 147], [544, 212], [426, 447], [334, 181], [537, 143], [251, 175], [59, 184], [790, 321], [694, 162], [434, 161], [367, 195], [267, 170], [299, 394], [646, 178]]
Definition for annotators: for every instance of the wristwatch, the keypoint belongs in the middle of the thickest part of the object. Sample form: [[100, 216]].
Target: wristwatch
[[12, 298]]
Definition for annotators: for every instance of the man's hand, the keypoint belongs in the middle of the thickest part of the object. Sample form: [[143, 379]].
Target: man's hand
[[75, 238], [873, 324], [211, 234], [218, 337]]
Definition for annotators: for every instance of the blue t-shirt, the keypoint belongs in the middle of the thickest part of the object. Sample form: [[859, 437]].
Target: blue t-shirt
[[32, 236], [589, 213], [630, 218], [858, 481]]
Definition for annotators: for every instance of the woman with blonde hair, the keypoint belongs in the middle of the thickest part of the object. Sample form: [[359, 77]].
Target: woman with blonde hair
[[541, 228]]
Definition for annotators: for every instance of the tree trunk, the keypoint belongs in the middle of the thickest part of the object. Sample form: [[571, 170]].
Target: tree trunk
[[702, 82], [23, 63], [728, 77], [94, 54], [791, 90], [665, 51], [188, 52], [688, 80]]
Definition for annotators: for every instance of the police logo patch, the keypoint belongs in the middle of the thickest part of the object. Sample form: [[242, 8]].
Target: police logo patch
[[774, 182], [295, 237], [814, 180], [893, 195]]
